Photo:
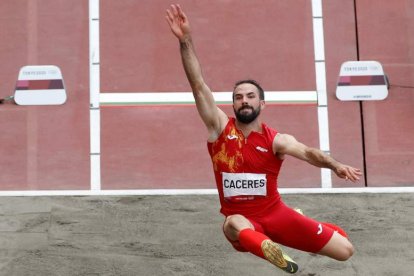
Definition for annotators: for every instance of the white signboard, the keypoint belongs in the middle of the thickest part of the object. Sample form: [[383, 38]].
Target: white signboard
[[40, 85], [361, 81]]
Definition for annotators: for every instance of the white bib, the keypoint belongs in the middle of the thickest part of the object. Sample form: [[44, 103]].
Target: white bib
[[244, 184]]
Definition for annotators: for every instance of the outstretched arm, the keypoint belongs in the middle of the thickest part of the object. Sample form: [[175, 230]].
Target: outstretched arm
[[287, 144], [214, 119]]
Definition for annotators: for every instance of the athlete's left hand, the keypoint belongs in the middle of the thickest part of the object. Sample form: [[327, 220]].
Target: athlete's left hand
[[348, 172]]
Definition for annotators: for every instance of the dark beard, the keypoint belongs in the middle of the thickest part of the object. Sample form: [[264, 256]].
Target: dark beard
[[247, 118]]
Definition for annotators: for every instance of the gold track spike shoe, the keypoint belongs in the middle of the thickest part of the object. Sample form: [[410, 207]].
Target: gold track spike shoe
[[274, 254]]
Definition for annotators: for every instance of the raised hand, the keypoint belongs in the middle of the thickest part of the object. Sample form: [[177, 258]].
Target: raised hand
[[178, 22]]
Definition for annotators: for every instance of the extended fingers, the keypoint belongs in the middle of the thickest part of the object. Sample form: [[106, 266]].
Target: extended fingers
[[175, 13], [169, 17], [180, 12], [172, 12], [352, 174]]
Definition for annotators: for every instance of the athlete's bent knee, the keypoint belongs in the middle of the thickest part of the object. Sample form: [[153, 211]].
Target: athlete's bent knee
[[338, 248], [234, 218], [237, 222], [346, 252]]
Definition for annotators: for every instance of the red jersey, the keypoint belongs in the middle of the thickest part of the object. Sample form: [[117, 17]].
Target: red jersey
[[246, 170]]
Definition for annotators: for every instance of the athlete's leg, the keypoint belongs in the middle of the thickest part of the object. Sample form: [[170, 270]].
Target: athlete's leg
[[286, 226], [338, 248], [243, 236], [234, 224], [335, 227]]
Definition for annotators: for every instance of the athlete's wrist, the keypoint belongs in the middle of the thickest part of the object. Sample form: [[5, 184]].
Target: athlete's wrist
[[185, 39]]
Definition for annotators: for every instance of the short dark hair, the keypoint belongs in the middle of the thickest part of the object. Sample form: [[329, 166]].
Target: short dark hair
[[255, 83]]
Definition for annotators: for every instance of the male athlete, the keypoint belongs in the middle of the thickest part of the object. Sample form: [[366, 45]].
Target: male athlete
[[247, 156]]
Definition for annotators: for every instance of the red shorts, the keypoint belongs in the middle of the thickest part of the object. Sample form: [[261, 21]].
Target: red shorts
[[285, 226]]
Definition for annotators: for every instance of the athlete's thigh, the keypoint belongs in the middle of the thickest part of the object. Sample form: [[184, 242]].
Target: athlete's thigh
[[286, 226]]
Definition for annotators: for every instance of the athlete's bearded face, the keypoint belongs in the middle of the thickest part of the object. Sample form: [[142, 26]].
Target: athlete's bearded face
[[246, 103], [246, 113]]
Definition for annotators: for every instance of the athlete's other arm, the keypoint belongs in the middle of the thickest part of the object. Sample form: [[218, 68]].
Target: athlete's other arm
[[287, 144], [213, 117]]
